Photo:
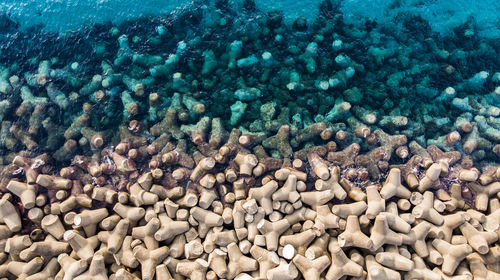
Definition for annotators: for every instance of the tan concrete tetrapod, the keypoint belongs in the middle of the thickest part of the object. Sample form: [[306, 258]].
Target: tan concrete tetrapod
[[162, 273], [217, 262], [284, 271], [288, 191], [133, 214], [381, 234], [353, 236], [325, 219], [139, 196], [24, 191], [203, 166], [267, 260], [311, 269], [48, 272], [394, 261], [246, 163], [341, 264], [416, 238], [16, 245], [376, 203], [170, 228], [300, 215], [316, 198], [49, 248], [478, 240], [24, 269], [220, 238], [425, 210], [238, 263], [431, 177], [332, 184], [451, 222], [479, 270], [9, 214], [71, 267], [110, 222], [318, 247], [146, 233], [114, 239], [350, 209], [492, 221], [206, 217], [5, 232], [96, 271], [125, 256], [483, 194], [206, 220], [83, 247], [89, 219], [318, 165], [192, 269], [422, 271], [123, 274], [149, 259], [452, 254], [272, 232], [379, 272], [300, 241], [263, 195], [434, 255], [395, 222], [393, 187]]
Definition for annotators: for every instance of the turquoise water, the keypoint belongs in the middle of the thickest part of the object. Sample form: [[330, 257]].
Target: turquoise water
[[69, 15], [193, 134], [422, 69]]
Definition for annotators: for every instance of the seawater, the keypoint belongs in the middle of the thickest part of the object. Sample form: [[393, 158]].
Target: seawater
[[70, 15], [222, 127], [421, 68]]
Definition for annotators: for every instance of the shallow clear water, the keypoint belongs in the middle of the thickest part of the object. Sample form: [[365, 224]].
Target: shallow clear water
[[419, 68]]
